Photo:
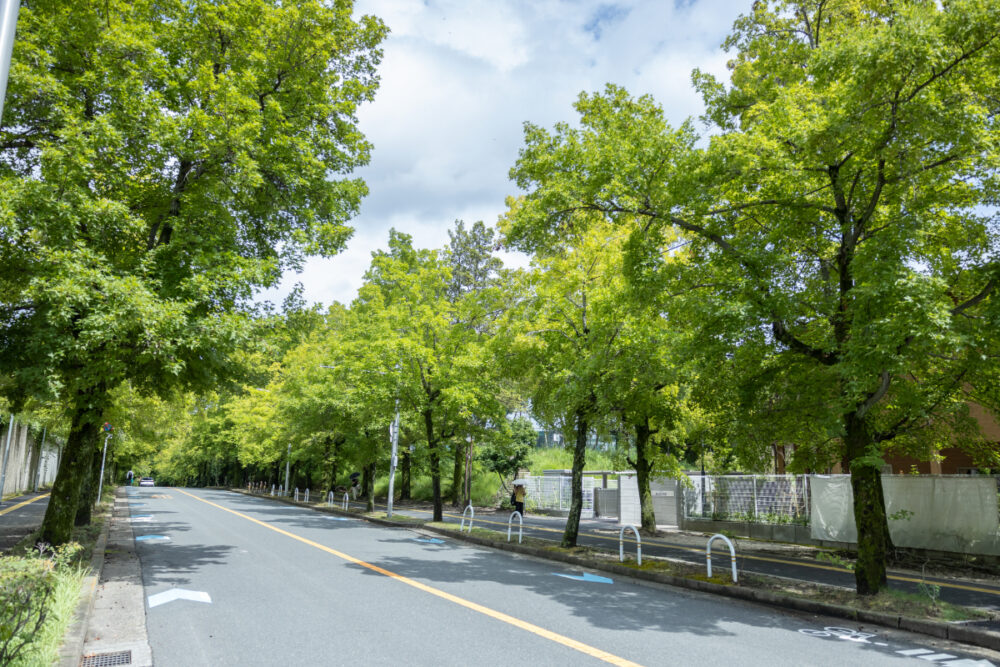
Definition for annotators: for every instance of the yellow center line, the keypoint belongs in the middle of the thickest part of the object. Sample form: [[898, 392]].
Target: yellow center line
[[894, 577], [22, 504], [492, 613]]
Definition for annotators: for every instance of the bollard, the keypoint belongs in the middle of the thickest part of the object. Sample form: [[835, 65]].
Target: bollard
[[347, 502], [272, 490], [520, 526], [708, 553], [306, 499], [329, 499], [621, 545], [472, 516]]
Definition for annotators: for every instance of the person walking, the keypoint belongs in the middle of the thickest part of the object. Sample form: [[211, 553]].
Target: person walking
[[129, 476], [519, 493]]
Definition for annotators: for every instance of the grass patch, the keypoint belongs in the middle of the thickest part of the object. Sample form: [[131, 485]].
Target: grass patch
[[399, 518]]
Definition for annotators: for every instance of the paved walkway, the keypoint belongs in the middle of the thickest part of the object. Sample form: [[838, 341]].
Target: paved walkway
[[117, 623]]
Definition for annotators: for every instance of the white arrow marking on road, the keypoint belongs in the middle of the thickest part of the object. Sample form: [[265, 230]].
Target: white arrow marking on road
[[178, 594], [587, 577]]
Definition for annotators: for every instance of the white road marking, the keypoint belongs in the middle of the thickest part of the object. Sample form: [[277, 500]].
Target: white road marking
[[178, 594], [914, 651]]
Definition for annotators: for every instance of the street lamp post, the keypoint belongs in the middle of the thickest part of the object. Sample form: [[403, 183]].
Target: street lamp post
[[394, 438], [8, 25], [104, 455]]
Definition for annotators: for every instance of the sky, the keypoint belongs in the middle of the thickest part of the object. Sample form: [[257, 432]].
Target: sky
[[460, 77]]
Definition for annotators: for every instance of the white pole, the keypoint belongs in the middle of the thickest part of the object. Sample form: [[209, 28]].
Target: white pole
[[100, 484], [394, 437], [6, 453], [8, 25]]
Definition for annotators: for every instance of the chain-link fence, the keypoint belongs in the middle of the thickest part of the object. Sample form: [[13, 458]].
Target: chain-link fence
[[755, 498], [555, 493]]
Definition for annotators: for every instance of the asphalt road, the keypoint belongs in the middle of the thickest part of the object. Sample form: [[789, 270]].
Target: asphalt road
[[238, 580], [19, 516]]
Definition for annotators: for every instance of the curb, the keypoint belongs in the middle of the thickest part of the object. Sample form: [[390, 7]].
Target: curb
[[938, 629], [72, 646]]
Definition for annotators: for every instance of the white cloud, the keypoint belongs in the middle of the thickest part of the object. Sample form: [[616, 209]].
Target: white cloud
[[460, 77]]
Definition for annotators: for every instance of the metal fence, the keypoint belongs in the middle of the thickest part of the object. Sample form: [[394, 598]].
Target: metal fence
[[555, 493], [755, 498]]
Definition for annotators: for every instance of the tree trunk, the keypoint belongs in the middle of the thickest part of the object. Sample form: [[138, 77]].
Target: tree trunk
[[404, 479], [74, 470], [370, 485], [642, 469], [458, 473], [869, 512], [432, 448], [88, 492], [579, 461]]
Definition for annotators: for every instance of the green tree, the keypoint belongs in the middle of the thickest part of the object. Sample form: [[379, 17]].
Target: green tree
[[565, 334], [839, 251], [160, 160]]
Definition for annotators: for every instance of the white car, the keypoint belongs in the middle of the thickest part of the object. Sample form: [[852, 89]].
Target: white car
[[146, 481]]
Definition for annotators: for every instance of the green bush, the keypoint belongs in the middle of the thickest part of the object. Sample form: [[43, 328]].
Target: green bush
[[26, 585], [35, 592]]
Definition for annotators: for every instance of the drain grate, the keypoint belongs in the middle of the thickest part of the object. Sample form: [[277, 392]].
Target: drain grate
[[107, 659]]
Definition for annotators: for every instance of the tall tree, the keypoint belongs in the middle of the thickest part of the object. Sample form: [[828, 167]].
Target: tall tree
[[841, 243], [565, 334], [159, 161]]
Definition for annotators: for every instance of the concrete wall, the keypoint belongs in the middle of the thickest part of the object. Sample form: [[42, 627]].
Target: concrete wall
[[28, 462]]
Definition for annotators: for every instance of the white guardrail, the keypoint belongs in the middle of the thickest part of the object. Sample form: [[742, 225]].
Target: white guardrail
[[510, 524], [708, 553], [621, 544]]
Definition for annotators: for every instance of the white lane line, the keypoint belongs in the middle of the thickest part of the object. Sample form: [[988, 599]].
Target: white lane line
[[914, 651]]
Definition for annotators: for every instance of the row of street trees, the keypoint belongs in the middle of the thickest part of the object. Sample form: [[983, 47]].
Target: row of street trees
[[819, 269]]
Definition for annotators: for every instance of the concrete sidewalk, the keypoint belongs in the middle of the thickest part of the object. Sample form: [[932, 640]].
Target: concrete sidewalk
[[111, 618]]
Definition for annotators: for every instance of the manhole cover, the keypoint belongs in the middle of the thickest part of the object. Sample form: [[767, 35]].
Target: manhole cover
[[107, 659]]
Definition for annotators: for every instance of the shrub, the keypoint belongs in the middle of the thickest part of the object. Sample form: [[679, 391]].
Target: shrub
[[26, 585]]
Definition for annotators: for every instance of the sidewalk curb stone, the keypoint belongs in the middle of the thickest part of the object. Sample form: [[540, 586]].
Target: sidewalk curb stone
[[72, 647]]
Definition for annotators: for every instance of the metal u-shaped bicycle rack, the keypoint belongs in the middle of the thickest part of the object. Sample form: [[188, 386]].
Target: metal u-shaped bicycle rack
[[347, 502], [472, 515], [510, 524], [621, 544], [708, 553]]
